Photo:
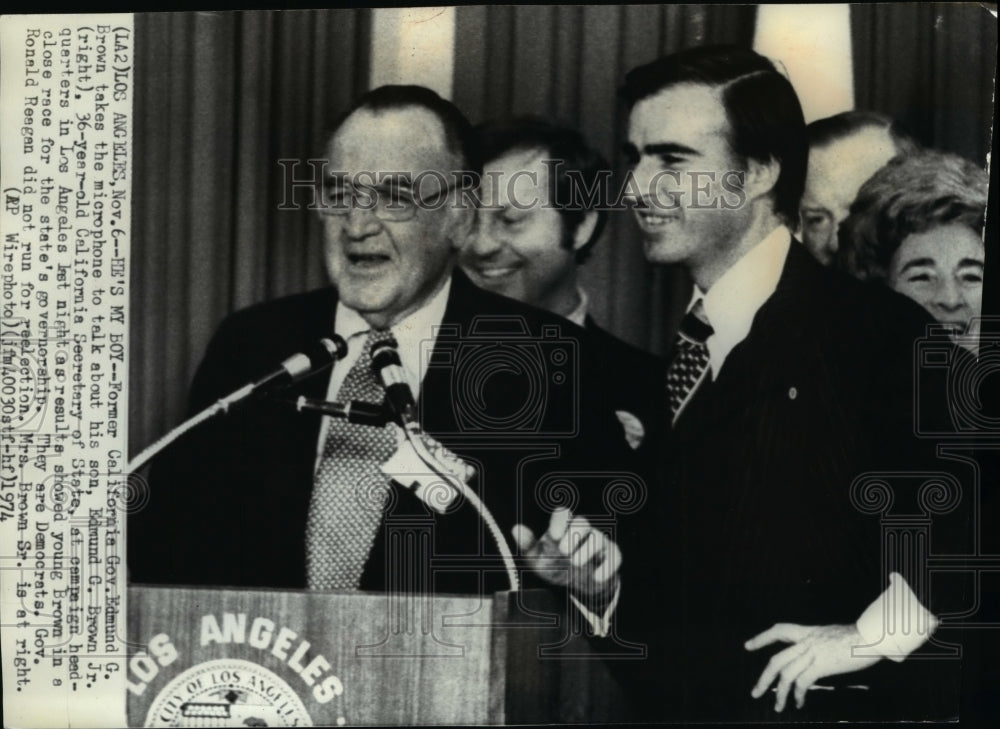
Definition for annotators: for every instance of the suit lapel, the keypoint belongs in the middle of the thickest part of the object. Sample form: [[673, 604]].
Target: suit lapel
[[780, 322], [767, 357], [438, 420], [781, 315], [438, 417], [317, 321], [301, 431]]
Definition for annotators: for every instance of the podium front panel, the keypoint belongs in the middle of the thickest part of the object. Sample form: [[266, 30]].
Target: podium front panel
[[205, 657]]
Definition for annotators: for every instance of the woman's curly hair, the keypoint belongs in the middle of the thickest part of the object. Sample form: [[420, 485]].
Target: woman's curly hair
[[911, 194]]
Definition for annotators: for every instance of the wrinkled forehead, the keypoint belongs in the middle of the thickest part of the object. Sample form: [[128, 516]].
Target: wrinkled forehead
[[408, 140]]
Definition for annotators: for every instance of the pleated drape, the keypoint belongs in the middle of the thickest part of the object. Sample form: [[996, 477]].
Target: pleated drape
[[932, 67], [568, 62], [220, 98]]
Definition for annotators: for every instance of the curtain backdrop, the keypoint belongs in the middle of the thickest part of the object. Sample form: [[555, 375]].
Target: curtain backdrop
[[930, 66], [568, 62], [220, 97]]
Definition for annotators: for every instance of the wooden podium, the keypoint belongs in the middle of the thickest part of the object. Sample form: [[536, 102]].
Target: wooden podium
[[223, 657]]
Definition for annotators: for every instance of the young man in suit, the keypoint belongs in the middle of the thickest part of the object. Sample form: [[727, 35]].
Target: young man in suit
[[543, 207], [787, 382], [275, 498]]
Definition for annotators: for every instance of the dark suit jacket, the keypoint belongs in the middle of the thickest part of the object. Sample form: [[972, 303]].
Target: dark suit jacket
[[758, 524], [641, 377], [229, 502]]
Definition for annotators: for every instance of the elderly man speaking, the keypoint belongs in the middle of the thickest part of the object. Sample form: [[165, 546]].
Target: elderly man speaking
[[271, 497]]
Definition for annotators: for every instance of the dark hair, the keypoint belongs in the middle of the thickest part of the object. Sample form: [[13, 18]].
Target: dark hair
[[457, 129], [828, 130], [764, 114], [911, 194], [578, 168]]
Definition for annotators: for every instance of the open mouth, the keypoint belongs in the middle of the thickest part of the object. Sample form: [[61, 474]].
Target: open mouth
[[367, 260], [653, 222], [955, 328]]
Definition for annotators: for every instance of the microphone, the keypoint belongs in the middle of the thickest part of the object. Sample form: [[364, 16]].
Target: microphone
[[454, 472], [314, 358], [388, 368], [356, 411]]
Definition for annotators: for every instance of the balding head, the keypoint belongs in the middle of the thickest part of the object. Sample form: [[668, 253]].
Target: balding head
[[391, 226], [844, 152]]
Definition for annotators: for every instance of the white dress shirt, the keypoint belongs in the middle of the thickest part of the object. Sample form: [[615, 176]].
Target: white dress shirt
[[733, 301], [416, 335], [730, 306], [579, 314]]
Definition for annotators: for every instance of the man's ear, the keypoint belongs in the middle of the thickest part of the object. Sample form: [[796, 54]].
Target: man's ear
[[761, 177], [584, 230]]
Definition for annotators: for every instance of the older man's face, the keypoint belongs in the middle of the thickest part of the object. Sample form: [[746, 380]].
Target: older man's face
[[386, 255], [836, 173]]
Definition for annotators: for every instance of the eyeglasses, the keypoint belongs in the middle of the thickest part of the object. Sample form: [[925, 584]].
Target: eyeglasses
[[392, 203]]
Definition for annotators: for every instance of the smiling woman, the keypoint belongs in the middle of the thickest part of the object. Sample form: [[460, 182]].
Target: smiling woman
[[917, 226]]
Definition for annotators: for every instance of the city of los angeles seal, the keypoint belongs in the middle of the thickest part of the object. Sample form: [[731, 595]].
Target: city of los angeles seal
[[227, 693]]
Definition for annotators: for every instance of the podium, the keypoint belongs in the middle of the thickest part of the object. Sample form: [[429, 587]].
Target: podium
[[228, 657]]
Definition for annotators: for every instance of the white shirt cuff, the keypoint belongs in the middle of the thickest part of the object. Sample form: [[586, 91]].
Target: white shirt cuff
[[601, 625], [896, 624]]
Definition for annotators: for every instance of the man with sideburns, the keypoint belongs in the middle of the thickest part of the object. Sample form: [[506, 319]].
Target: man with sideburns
[[786, 383], [542, 210]]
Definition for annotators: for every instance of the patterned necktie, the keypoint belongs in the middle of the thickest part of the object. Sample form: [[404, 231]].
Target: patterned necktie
[[690, 361], [349, 488]]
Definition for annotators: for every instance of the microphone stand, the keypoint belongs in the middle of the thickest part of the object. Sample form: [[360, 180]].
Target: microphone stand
[[411, 430], [221, 405], [320, 356], [378, 415], [357, 412], [399, 398]]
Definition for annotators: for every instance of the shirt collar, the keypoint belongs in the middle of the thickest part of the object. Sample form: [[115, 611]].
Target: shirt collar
[[349, 323], [421, 326], [411, 332], [734, 300], [579, 314]]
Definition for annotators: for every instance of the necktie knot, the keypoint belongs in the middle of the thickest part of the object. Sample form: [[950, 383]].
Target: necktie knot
[[695, 326], [691, 359], [369, 344], [377, 336], [373, 338]]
